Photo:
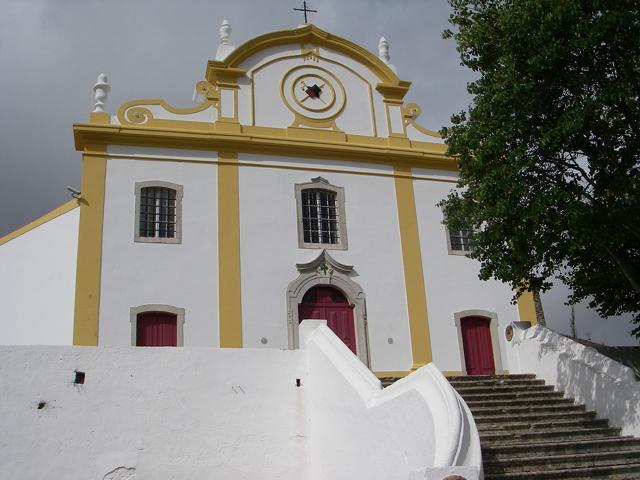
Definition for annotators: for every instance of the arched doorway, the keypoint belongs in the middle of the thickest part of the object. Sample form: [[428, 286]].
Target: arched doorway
[[324, 271], [477, 345], [328, 303]]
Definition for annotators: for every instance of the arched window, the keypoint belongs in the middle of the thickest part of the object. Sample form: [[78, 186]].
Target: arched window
[[158, 212], [321, 215]]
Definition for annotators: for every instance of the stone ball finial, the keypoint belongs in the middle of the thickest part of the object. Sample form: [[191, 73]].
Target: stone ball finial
[[225, 32], [383, 50], [100, 92]]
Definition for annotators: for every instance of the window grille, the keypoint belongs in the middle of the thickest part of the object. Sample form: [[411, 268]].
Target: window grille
[[320, 217], [157, 212], [461, 240]]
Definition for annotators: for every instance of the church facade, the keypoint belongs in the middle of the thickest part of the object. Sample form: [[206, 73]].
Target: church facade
[[299, 186]]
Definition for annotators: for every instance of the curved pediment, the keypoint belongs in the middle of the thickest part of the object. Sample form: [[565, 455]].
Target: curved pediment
[[324, 263], [231, 66], [302, 84]]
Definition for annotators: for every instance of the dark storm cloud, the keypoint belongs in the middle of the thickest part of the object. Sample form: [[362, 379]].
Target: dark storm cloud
[[51, 52]]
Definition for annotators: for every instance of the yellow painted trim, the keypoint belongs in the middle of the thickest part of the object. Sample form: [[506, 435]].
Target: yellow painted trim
[[229, 284], [391, 86], [266, 140], [87, 302], [136, 113], [47, 217], [452, 373], [413, 274], [234, 92], [99, 117], [410, 113], [396, 374], [527, 308], [158, 158]]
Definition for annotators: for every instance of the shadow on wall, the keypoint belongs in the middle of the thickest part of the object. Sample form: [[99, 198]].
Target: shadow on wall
[[590, 384], [602, 384]]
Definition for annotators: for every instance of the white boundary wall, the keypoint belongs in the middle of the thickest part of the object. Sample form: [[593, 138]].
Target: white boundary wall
[[152, 413], [603, 385], [201, 413]]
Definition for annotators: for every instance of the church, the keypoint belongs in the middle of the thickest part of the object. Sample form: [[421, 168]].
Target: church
[[300, 185], [300, 189]]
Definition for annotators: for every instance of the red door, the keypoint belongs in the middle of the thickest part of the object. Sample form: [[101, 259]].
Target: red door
[[156, 329], [329, 304], [478, 348]]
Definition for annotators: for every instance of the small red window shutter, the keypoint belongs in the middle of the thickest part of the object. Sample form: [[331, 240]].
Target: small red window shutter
[[156, 329]]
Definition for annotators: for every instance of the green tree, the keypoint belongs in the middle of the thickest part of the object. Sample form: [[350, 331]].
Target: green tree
[[548, 149]]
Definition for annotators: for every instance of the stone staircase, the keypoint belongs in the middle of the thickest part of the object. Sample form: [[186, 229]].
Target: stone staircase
[[529, 431]]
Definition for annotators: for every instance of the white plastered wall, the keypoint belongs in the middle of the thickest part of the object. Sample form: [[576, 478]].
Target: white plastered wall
[[37, 283], [269, 252], [364, 112], [451, 281], [182, 275], [153, 413]]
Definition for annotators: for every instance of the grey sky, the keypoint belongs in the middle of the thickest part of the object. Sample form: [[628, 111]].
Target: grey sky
[[51, 52]]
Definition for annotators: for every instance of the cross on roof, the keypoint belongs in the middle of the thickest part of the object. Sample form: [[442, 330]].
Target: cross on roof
[[305, 10]]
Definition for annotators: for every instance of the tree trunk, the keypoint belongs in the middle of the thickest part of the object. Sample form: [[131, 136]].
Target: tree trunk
[[537, 303]]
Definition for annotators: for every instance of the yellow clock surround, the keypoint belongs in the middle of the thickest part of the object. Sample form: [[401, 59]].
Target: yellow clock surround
[[318, 115]]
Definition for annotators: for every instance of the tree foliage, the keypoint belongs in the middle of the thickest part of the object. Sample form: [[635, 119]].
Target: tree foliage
[[549, 147]]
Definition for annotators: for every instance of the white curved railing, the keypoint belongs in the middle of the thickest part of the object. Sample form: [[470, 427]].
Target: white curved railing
[[420, 425]]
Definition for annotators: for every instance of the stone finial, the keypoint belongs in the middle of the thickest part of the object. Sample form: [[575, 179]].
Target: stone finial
[[101, 91], [383, 53], [225, 47], [225, 32], [383, 50]]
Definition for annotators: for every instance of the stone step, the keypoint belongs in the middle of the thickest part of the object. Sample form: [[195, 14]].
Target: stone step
[[560, 462], [532, 449], [485, 378], [528, 416], [488, 389], [518, 408], [543, 425], [612, 472], [528, 395], [519, 401], [502, 437], [493, 382]]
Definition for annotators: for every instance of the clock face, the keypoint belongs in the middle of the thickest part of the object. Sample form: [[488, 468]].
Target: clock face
[[313, 93]]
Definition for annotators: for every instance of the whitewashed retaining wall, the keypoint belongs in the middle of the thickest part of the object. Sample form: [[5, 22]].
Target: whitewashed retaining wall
[[153, 413], [416, 428], [603, 385], [203, 413]]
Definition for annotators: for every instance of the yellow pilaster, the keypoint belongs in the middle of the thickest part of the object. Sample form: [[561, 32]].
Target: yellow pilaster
[[229, 300], [527, 308], [87, 302], [413, 274]]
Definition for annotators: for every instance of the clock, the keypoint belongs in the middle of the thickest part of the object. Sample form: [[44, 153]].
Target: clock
[[315, 95]]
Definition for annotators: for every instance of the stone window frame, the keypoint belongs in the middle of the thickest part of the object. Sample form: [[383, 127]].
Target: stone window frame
[[450, 250], [319, 183], [179, 189], [156, 307]]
